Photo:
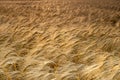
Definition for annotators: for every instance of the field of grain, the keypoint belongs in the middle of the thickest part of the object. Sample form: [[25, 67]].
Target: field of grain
[[60, 40]]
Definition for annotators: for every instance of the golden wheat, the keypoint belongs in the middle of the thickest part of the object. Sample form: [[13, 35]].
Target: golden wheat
[[60, 40]]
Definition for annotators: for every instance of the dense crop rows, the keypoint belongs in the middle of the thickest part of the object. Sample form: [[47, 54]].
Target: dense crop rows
[[60, 40]]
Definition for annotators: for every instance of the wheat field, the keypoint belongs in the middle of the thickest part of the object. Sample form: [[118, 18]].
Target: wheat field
[[59, 40]]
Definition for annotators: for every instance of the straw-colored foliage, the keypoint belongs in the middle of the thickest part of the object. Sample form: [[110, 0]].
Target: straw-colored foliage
[[60, 40]]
